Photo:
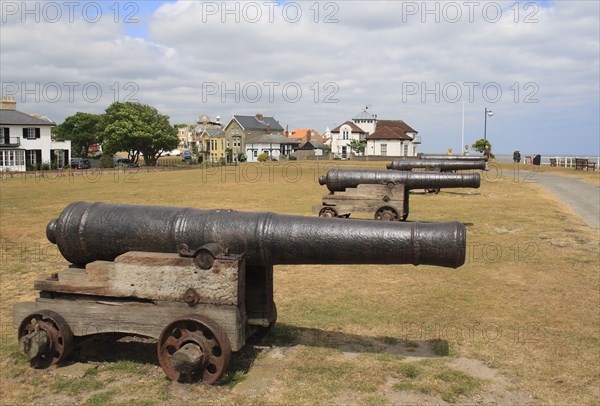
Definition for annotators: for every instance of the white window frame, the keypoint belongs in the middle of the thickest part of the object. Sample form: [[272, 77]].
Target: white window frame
[[30, 133]]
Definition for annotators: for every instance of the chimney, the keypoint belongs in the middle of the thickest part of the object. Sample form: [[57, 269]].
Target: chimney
[[8, 103], [268, 128], [259, 117]]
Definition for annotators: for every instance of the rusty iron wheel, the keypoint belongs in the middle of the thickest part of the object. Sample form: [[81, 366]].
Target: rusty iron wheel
[[387, 213], [209, 341], [328, 211], [56, 333]]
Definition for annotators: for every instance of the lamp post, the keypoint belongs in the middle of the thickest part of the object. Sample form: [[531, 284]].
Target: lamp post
[[487, 113]]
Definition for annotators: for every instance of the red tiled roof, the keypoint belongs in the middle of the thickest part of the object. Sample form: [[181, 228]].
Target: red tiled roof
[[353, 127], [387, 133]]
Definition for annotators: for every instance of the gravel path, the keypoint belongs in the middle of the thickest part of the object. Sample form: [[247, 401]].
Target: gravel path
[[582, 197]]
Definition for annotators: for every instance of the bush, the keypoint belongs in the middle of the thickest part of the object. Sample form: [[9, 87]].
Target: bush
[[45, 166], [107, 161], [263, 157], [292, 158]]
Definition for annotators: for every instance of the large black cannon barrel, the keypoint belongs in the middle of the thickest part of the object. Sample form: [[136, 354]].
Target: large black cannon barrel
[[435, 164], [86, 232], [453, 157], [338, 180]]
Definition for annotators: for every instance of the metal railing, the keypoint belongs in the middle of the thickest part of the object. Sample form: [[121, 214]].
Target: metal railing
[[12, 141], [562, 161]]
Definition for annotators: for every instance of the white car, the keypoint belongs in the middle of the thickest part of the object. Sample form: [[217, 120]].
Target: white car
[[175, 152]]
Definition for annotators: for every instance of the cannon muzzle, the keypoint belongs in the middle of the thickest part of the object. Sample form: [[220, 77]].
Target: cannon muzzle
[[443, 165], [338, 180], [87, 232]]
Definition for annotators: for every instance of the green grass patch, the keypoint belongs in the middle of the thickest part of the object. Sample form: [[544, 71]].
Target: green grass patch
[[285, 334], [100, 399], [410, 370], [125, 366], [76, 386], [441, 348], [433, 378], [233, 378]]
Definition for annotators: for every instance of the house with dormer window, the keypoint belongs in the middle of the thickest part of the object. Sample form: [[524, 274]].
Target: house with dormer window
[[381, 137], [26, 140]]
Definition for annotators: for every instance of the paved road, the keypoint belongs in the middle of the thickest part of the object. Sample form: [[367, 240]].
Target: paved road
[[582, 197]]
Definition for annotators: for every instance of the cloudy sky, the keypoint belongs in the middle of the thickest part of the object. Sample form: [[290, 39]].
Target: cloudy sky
[[317, 64]]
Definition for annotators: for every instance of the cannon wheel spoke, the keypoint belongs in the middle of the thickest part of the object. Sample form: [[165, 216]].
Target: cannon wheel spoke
[[328, 211], [387, 213], [209, 346], [54, 330]]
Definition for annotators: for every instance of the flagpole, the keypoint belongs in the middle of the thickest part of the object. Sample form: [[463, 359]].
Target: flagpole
[[462, 134]]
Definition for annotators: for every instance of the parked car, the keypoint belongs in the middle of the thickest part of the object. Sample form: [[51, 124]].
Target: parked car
[[125, 163], [80, 163], [187, 155], [175, 152]]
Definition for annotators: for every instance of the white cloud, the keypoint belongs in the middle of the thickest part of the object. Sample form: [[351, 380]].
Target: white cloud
[[371, 55]]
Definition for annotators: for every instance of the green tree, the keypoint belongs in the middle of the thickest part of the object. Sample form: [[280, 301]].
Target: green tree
[[480, 144], [83, 129], [358, 146], [138, 129]]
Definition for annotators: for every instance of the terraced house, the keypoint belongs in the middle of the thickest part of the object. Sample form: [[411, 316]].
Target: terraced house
[[26, 140], [242, 128]]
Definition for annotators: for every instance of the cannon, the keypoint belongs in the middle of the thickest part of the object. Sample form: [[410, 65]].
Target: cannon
[[200, 282], [386, 193], [453, 157], [439, 165]]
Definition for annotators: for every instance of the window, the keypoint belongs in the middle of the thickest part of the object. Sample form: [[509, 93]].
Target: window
[[345, 134], [4, 135], [12, 158], [255, 153], [406, 149], [383, 149], [32, 156], [31, 133]]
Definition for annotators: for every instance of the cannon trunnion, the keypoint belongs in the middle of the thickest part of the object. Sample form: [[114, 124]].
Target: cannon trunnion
[[200, 282]]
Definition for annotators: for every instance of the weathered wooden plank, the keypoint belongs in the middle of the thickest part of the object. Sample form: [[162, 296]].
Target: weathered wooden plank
[[154, 276], [87, 317], [366, 198]]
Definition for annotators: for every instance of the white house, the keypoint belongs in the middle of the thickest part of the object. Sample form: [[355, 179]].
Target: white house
[[392, 138], [26, 140], [342, 136], [274, 145], [366, 121]]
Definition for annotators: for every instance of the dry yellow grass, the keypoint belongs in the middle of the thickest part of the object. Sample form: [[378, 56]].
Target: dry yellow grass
[[526, 301]]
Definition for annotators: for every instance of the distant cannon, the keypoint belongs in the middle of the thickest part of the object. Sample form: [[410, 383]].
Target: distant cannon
[[440, 165], [341, 179], [384, 193], [453, 157], [199, 281]]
